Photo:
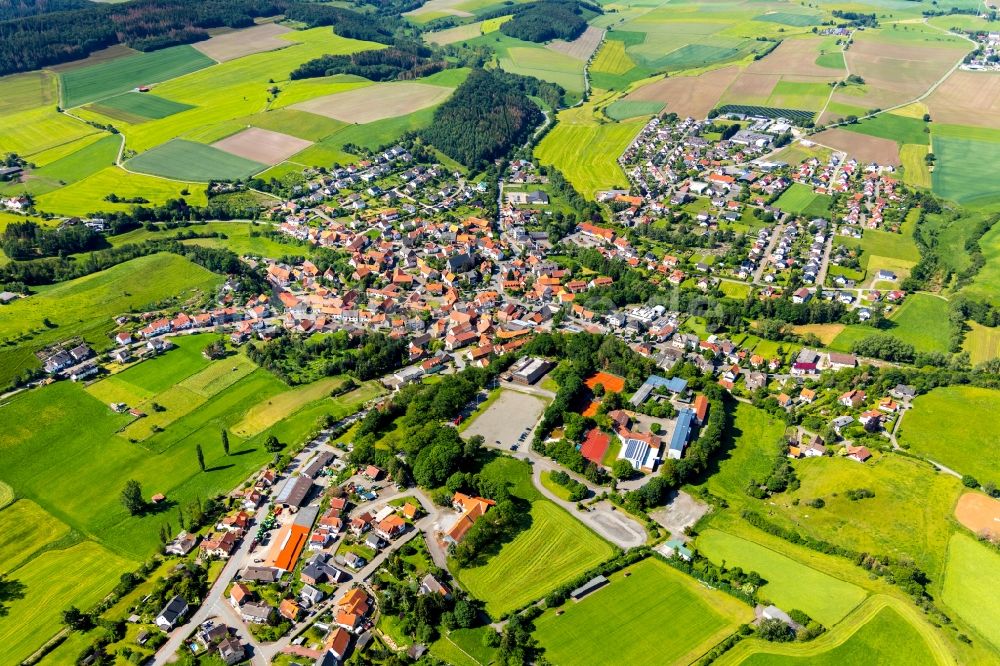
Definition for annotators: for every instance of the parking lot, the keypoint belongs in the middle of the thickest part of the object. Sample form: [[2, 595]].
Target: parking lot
[[506, 419]]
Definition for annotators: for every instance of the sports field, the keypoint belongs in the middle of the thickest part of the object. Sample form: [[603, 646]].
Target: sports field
[[88, 195], [554, 550], [880, 633], [966, 590], [946, 425], [648, 604], [790, 584], [86, 306], [95, 82], [587, 151], [980, 513], [135, 107]]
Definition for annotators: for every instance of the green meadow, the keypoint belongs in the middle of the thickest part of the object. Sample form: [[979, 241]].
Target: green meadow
[[908, 323], [72, 168], [87, 196], [986, 285], [630, 615], [799, 199], [966, 590], [136, 107], [187, 160], [86, 306], [790, 584], [958, 178], [553, 551], [896, 128], [94, 82], [946, 425], [880, 633]]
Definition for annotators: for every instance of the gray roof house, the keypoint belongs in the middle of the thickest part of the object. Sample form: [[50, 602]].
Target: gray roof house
[[172, 613]]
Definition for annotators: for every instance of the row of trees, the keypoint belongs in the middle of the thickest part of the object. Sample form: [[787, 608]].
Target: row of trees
[[396, 62]]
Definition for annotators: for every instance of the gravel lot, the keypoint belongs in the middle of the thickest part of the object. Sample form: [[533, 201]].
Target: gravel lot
[[507, 418]]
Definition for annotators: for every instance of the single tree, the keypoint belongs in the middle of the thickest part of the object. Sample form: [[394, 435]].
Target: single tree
[[201, 456], [131, 498], [622, 469], [272, 444], [76, 619], [225, 442]]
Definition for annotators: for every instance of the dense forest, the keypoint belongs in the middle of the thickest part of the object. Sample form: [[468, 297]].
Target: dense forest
[[547, 20], [410, 61], [15, 9], [37, 41], [487, 116]]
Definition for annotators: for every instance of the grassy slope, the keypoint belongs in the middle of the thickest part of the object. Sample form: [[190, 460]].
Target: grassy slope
[[188, 160], [86, 306], [946, 425], [970, 565], [87, 196]]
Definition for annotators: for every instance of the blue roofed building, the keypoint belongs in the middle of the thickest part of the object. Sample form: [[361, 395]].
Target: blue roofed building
[[682, 433], [675, 385]]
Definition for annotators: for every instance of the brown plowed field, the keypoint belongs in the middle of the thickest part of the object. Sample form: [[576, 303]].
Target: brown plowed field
[[967, 98], [232, 45], [861, 147], [582, 47], [794, 57], [686, 96], [261, 145]]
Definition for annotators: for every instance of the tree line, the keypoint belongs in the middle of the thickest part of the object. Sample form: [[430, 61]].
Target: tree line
[[30, 240], [409, 61], [15, 9]]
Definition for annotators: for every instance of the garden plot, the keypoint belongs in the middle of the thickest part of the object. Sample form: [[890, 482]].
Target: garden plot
[[232, 45], [261, 145], [383, 100]]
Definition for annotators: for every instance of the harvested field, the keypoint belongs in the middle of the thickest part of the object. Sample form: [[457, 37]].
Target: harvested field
[[237, 44], [437, 8], [582, 47], [860, 146], [459, 33], [261, 145], [383, 100], [980, 513], [895, 73], [967, 98], [688, 95], [751, 89], [794, 57]]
